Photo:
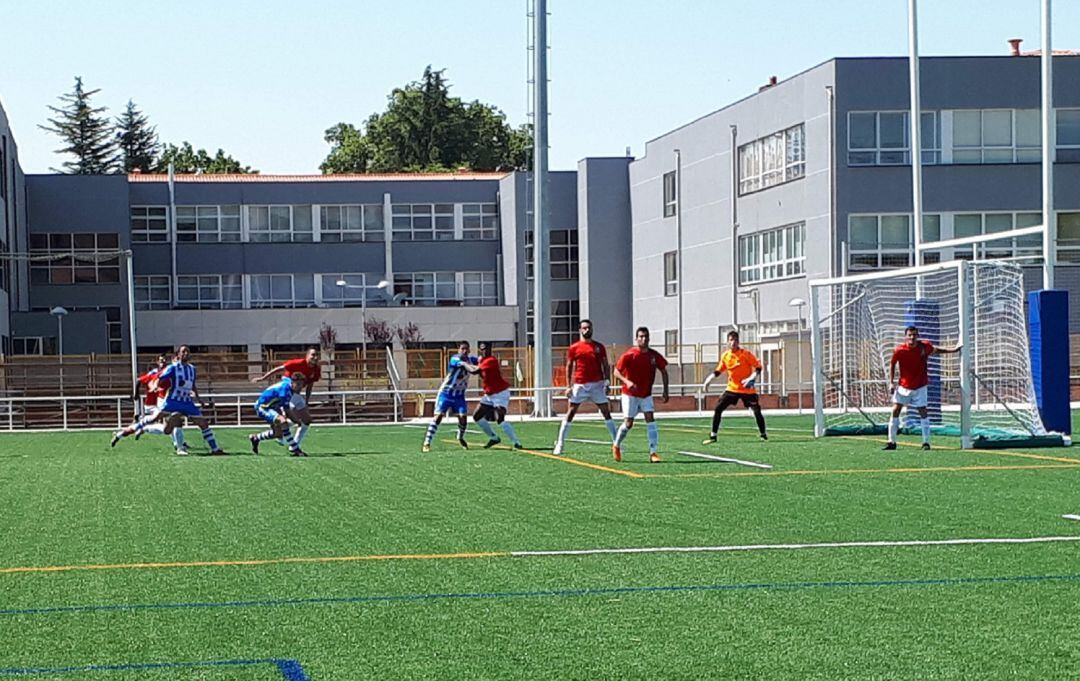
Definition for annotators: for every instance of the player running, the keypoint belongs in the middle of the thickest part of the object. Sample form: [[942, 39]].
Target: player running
[[913, 356], [587, 364], [297, 409], [743, 370], [496, 397], [180, 400], [452, 397], [150, 421], [271, 407], [636, 369]]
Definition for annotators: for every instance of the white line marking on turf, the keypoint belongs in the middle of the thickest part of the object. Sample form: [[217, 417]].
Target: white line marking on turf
[[788, 547], [722, 459], [589, 442], [1068, 516]]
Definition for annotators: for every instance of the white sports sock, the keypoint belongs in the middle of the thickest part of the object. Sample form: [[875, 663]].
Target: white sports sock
[[178, 438], [509, 430], [155, 429], [564, 429], [621, 435], [925, 423], [894, 428], [485, 426], [611, 429], [654, 436], [300, 434]]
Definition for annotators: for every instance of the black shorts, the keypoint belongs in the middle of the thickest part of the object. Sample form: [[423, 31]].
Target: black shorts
[[730, 399]]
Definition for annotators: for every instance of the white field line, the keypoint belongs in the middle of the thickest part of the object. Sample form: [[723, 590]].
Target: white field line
[[792, 547], [722, 459], [1068, 516], [589, 442]]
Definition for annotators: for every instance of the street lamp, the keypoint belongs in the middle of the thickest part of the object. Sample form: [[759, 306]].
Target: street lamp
[[60, 313], [381, 286], [800, 304]]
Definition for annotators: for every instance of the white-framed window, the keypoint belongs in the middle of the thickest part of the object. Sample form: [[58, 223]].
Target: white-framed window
[[884, 138], [210, 291], [90, 258], [153, 292], [149, 224], [363, 222], [564, 322], [33, 345], [671, 342], [479, 288], [422, 221], [1068, 135], [671, 273], [996, 136], [772, 160], [563, 253], [976, 224], [208, 224], [879, 241], [350, 295], [479, 221], [670, 194], [885, 241], [1068, 237], [281, 290], [773, 254], [427, 289], [279, 224]]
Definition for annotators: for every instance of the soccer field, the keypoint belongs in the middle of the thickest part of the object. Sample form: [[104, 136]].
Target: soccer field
[[371, 560]]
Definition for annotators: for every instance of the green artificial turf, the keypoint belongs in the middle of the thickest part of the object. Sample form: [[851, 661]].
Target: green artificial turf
[[912, 612]]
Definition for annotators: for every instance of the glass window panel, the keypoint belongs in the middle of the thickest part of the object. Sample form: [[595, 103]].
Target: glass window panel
[[258, 217], [893, 158], [863, 232], [1028, 220], [279, 219], [967, 129], [931, 228], [967, 225], [929, 130], [83, 242], [998, 222], [997, 156], [1068, 127], [60, 242], [301, 218], [895, 231], [862, 133], [967, 156], [304, 288], [109, 275], [893, 130], [1068, 227], [281, 287], [862, 158], [1028, 128], [997, 128]]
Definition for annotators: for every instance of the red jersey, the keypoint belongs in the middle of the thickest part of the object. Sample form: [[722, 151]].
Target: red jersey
[[490, 376], [640, 367], [153, 389], [300, 366], [913, 364], [588, 357]]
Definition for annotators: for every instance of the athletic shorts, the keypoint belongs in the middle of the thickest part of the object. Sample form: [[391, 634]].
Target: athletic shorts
[[730, 399], [181, 407], [297, 402], [268, 415], [632, 406], [499, 400], [910, 398], [595, 392], [453, 403]]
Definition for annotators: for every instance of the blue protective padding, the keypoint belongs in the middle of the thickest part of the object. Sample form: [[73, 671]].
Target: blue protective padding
[[926, 315], [1048, 333]]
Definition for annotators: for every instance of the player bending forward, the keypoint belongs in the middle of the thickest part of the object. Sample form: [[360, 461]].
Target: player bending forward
[[297, 408], [452, 397], [587, 365], [913, 356], [180, 400], [271, 407], [636, 370], [150, 421], [496, 397], [743, 370]]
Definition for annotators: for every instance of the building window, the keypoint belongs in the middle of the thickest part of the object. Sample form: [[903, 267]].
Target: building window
[[208, 224], [996, 136], [1068, 237], [883, 138], [479, 221], [563, 254], [1068, 135], [423, 221], [281, 290], [564, 322], [149, 224], [350, 295], [671, 342], [671, 273], [5, 267], [670, 197], [879, 241], [351, 223], [772, 254], [279, 224], [33, 345], [153, 293], [772, 160], [479, 288], [114, 326], [210, 292], [427, 288], [74, 258], [976, 224]]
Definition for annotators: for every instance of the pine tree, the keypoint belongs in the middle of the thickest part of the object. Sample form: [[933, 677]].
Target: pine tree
[[87, 132], [137, 141]]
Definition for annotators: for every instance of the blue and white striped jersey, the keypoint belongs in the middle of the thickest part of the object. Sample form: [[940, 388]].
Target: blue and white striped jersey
[[181, 379], [457, 378], [276, 396]]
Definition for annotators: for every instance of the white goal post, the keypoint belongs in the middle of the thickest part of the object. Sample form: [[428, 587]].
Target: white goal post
[[984, 394]]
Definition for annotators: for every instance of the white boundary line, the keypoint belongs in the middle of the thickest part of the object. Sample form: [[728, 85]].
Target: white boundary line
[[589, 442], [722, 459], [788, 547], [1069, 516]]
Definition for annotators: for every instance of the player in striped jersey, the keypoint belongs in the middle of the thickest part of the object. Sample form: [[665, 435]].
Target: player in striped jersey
[[150, 421], [180, 401], [452, 396]]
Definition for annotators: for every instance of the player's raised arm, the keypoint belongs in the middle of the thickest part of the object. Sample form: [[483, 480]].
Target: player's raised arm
[[270, 373], [946, 351]]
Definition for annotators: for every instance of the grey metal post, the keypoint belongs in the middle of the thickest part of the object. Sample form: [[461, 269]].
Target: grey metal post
[[817, 362], [128, 257], [1048, 144], [679, 275], [174, 286], [734, 228], [966, 352], [916, 130], [541, 217]]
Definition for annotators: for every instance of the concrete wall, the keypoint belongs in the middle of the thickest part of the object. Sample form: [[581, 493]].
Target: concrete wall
[[604, 238], [12, 219]]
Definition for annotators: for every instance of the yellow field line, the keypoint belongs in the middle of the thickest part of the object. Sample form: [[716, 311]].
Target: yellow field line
[[566, 459], [259, 561], [853, 471]]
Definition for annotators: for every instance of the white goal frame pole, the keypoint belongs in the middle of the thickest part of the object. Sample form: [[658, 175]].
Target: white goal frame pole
[[963, 281], [1048, 145], [817, 362], [916, 131]]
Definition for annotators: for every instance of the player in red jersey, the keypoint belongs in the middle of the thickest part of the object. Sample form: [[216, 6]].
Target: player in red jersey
[[636, 370], [496, 397], [150, 420], [587, 373], [308, 366], [913, 357]]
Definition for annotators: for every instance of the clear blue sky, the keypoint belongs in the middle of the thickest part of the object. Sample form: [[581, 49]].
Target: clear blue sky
[[263, 79]]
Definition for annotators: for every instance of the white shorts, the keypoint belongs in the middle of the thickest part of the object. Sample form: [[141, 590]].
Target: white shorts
[[910, 398], [500, 400], [297, 402], [632, 406], [595, 392]]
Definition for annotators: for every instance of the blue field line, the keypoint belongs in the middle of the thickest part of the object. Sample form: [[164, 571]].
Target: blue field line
[[290, 669], [599, 591]]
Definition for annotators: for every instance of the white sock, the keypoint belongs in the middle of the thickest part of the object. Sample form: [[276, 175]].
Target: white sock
[[925, 423], [155, 429], [564, 428], [654, 436], [621, 435], [611, 429], [509, 430], [178, 438], [485, 426], [894, 428], [301, 433]]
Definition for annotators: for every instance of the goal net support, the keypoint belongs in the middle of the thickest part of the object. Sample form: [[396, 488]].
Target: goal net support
[[984, 394]]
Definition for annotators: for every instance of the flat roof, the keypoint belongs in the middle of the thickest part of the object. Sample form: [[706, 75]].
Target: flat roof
[[344, 177]]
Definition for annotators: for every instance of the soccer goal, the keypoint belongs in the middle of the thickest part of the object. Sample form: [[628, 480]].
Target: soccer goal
[[984, 394]]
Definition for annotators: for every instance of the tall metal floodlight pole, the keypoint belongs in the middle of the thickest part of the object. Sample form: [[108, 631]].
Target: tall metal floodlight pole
[[916, 130], [1049, 143], [541, 217]]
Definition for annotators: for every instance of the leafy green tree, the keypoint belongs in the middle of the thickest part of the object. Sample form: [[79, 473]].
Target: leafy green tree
[[86, 132], [425, 129], [137, 141], [186, 159]]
